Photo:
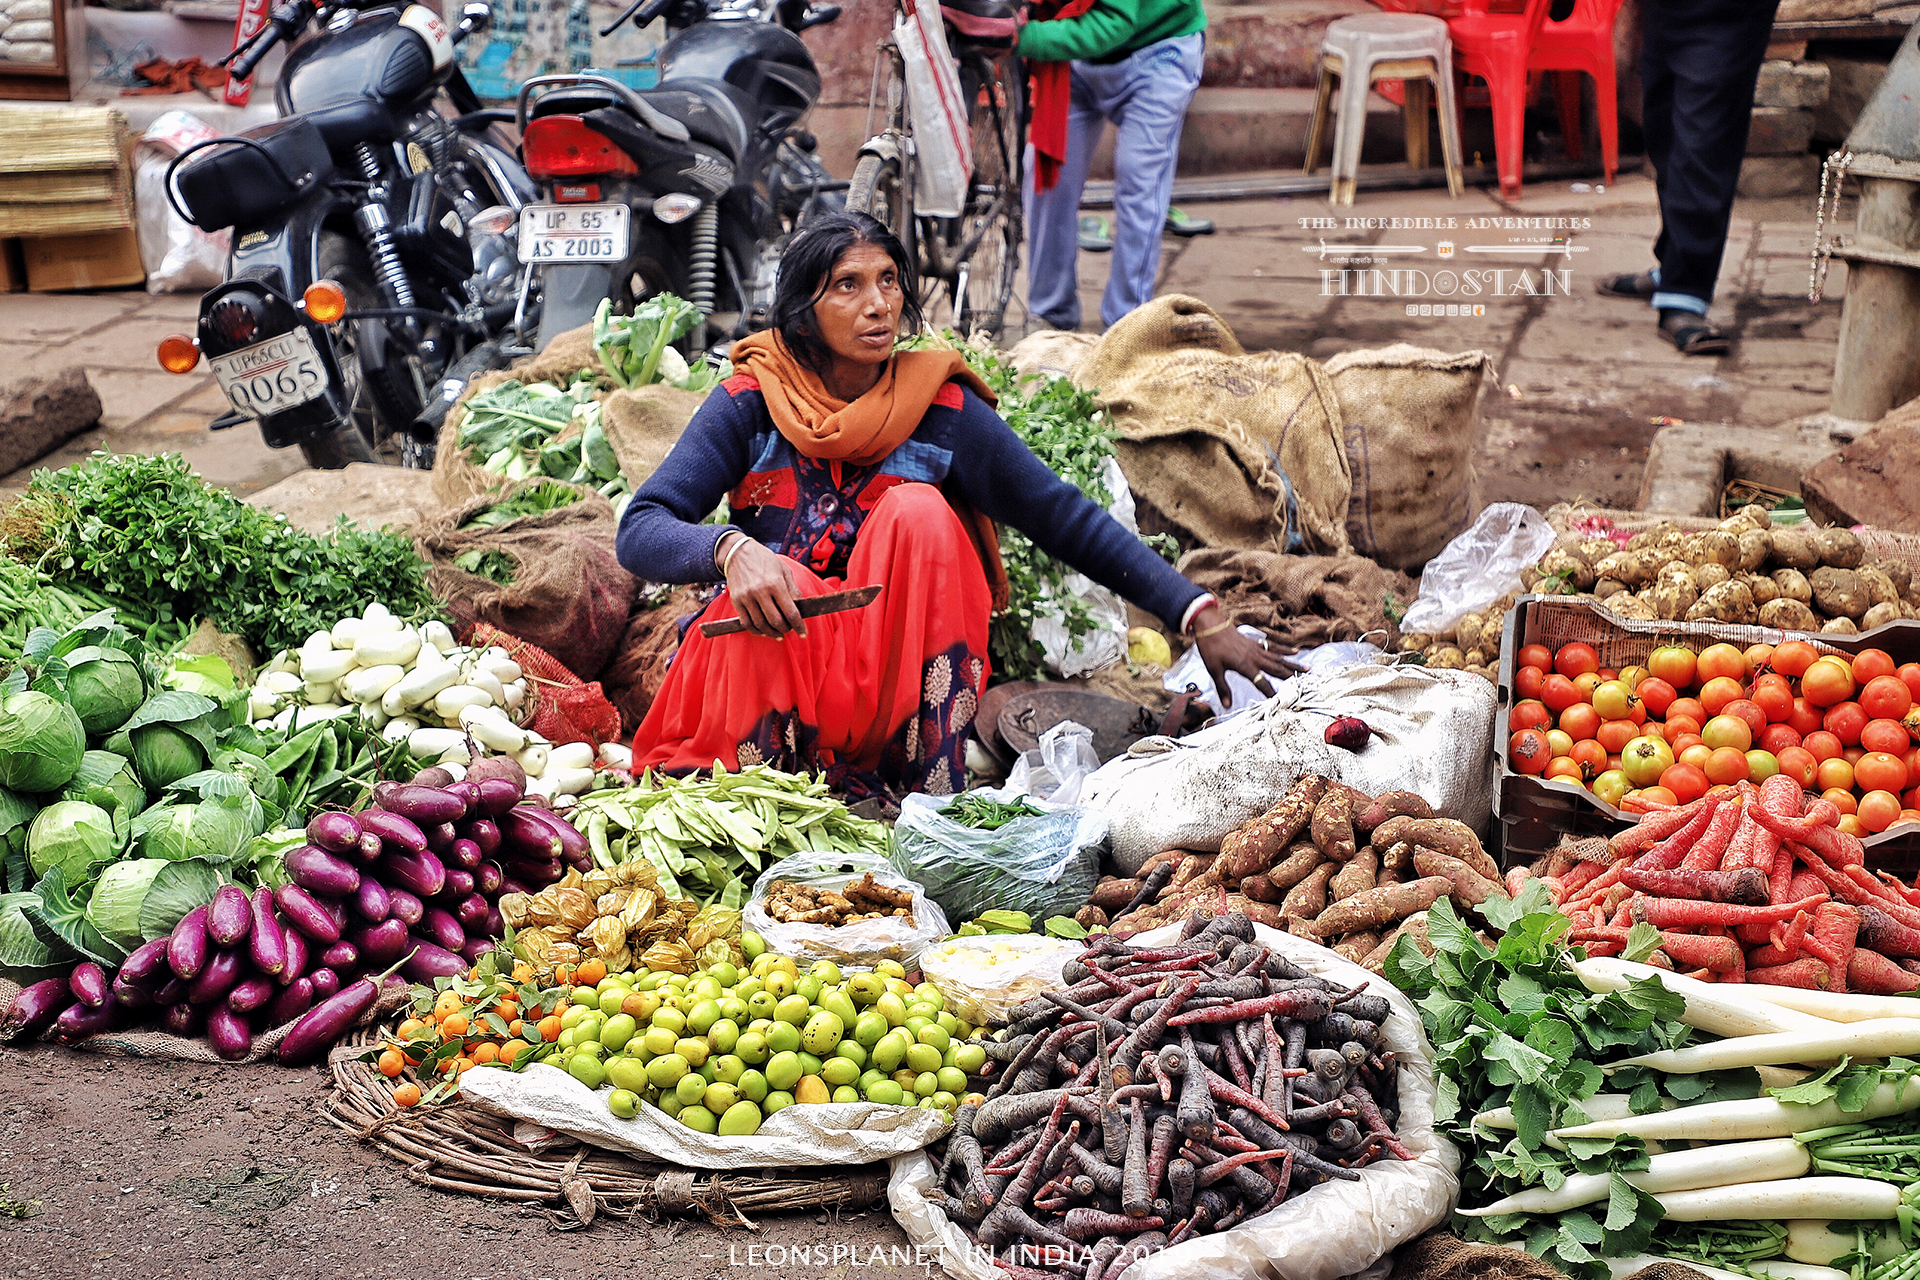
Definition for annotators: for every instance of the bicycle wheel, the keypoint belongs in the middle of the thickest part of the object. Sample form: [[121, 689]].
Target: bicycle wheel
[[880, 189], [992, 226]]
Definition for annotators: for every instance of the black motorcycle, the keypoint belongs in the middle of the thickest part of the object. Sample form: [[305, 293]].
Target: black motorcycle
[[373, 234], [691, 187]]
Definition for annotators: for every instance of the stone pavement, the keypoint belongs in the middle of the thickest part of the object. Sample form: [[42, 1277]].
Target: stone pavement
[[1582, 378]]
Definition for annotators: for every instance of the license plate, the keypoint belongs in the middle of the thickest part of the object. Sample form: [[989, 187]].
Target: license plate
[[269, 377], [554, 233]]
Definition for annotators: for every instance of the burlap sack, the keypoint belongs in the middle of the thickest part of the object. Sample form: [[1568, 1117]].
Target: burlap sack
[[458, 478], [1412, 423], [1222, 448], [644, 424], [569, 596], [1055, 351], [1301, 601], [1441, 1255], [634, 676]]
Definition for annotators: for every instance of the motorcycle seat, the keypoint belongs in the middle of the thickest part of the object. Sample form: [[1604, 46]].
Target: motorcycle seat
[[361, 120], [714, 112], [987, 23]]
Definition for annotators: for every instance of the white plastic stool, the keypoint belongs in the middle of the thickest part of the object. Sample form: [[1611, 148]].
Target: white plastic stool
[[1384, 46]]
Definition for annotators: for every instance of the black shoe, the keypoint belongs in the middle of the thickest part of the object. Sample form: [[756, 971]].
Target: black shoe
[[1638, 285], [1691, 335]]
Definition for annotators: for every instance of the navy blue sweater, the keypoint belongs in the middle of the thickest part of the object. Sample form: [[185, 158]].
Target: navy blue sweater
[[812, 510]]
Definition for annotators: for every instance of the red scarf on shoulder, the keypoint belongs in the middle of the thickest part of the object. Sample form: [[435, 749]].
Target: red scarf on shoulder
[[1051, 89]]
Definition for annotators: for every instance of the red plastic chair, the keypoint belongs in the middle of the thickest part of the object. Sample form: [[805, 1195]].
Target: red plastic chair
[[1498, 47], [1583, 41]]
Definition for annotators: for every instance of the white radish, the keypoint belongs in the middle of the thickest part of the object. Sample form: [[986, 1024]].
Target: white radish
[[493, 732], [1751, 1118], [1853, 1198], [1780, 1077], [287, 681], [346, 631], [1839, 1006], [1711, 1006], [368, 683], [324, 668], [374, 649], [533, 761], [482, 679], [1772, 1269], [450, 702], [320, 691], [1820, 1241], [434, 742], [568, 781], [439, 635], [1713, 1166], [1880, 1038], [571, 755], [1601, 1106]]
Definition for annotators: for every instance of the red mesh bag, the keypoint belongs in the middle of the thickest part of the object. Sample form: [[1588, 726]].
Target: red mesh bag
[[561, 707]]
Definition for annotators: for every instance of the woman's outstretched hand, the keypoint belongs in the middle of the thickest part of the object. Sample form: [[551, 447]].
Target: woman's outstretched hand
[[1227, 650], [761, 582]]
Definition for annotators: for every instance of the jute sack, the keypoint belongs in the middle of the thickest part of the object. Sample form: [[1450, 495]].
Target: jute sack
[[1226, 449], [1412, 422], [633, 676], [458, 478], [645, 423], [569, 595], [1054, 351]]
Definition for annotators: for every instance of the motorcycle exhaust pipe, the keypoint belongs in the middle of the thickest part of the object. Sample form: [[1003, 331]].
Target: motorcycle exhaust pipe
[[484, 358]]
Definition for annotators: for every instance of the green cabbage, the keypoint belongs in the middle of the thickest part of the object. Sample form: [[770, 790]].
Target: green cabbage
[[205, 830], [74, 836], [107, 780], [104, 687], [25, 956], [144, 898], [163, 754], [41, 741]]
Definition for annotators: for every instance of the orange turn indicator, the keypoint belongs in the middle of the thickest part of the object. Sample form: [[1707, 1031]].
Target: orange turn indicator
[[178, 354], [325, 301]]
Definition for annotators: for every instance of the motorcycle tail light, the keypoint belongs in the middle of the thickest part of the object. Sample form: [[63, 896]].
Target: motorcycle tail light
[[178, 354], [234, 321], [325, 301], [563, 146]]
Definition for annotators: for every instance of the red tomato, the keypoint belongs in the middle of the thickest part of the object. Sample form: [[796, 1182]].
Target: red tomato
[[1696, 754], [1793, 658], [1806, 717], [1758, 656], [1880, 771], [1852, 754], [1747, 710], [1656, 695], [1528, 715], [1827, 683], [1845, 721], [1559, 693], [1661, 796], [1870, 664], [1580, 721], [1879, 810], [1727, 765], [1913, 763], [1909, 674], [1536, 655], [1727, 731], [1722, 660], [1527, 680], [1586, 682], [1823, 745], [1798, 763], [1682, 724], [1576, 659], [1673, 663], [1716, 693], [1886, 735], [1834, 775], [1885, 697], [1685, 781], [1778, 737], [1775, 700], [1565, 767], [1842, 799], [1614, 735], [1527, 751], [1912, 798], [1590, 756], [1851, 825], [1615, 701], [1688, 707]]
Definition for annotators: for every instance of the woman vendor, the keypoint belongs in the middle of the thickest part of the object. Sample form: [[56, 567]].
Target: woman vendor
[[846, 464]]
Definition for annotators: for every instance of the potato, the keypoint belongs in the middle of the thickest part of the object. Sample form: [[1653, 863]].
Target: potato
[[1476, 658], [1530, 576], [1710, 574], [1880, 615], [1623, 566], [1607, 588], [1720, 547], [1879, 587], [1594, 550], [1788, 614], [1569, 568], [1743, 521], [1415, 642], [1630, 606], [1759, 515], [1838, 593], [1899, 571], [1649, 536], [1729, 602], [1840, 548], [1448, 656], [1466, 632], [1840, 627], [1795, 549], [1671, 598], [1755, 546], [1792, 585], [1763, 587]]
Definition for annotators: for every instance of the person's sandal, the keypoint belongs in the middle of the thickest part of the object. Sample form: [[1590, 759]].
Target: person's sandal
[[1638, 285], [1179, 224], [1095, 235], [1691, 335]]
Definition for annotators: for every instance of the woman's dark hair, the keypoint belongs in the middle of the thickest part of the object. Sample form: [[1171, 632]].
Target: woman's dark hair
[[806, 269]]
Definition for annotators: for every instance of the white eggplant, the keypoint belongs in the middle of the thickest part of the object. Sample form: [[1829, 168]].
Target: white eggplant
[[617, 756], [317, 692], [283, 682], [305, 717], [451, 701], [434, 742], [373, 717], [503, 669], [398, 728], [346, 631], [516, 695], [439, 635], [533, 761], [457, 754], [570, 782], [456, 768], [492, 730], [261, 704], [571, 755], [374, 649], [482, 679], [325, 668], [564, 802], [368, 683], [284, 719], [421, 684], [318, 642]]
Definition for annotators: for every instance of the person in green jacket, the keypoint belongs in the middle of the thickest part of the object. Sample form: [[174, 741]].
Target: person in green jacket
[[1136, 63]]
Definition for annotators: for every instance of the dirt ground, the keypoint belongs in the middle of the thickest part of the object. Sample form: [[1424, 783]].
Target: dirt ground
[[177, 1171]]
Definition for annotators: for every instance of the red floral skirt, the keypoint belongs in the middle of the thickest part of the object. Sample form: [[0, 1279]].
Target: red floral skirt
[[880, 699]]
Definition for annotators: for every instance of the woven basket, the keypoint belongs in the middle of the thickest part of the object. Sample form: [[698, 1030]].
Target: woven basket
[[458, 1147]]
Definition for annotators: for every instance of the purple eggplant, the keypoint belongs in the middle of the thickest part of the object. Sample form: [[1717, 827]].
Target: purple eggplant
[[441, 928], [471, 913], [306, 915], [369, 849], [536, 873], [510, 885], [371, 901], [527, 837], [78, 1021], [147, 964], [187, 946], [183, 1019], [468, 793], [496, 924], [440, 838], [299, 953], [341, 955], [488, 877], [463, 853], [336, 911], [381, 943], [427, 806], [404, 907], [381, 790], [418, 873], [320, 873], [294, 999], [220, 976], [35, 1008], [229, 916], [475, 948], [266, 941], [430, 960], [229, 1034], [459, 884], [335, 832], [497, 795], [320, 1027], [484, 832], [394, 831], [573, 842], [325, 983], [129, 996], [88, 984], [172, 991], [252, 994]]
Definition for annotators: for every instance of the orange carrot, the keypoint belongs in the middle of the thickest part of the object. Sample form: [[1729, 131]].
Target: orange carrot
[[1874, 974], [1805, 972], [1669, 853], [1785, 944], [1706, 852], [1748, 886], [1836, 926], [1581, 875], [1658, 826], [1722, 955], [1682, 913]]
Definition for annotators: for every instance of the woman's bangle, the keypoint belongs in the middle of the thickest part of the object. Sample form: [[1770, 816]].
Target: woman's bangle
[[1214, 630], [732, 551]]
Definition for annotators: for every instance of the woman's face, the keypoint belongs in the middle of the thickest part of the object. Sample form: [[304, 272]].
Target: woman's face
[[858, 317]]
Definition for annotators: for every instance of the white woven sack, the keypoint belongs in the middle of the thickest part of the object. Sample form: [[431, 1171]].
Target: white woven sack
[[942, 138], [1432, 734], [1336, 1229]]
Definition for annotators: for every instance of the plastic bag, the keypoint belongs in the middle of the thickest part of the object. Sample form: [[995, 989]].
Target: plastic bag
[[984, 977], [942, 140], [863, 944], [1479, 566], [1339, 653], [1044, 866], [178, 256], [1054, 770], [1188, 671], [1335, 1229], [1106, 643]]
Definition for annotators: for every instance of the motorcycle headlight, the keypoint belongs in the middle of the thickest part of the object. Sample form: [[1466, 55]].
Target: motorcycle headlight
[[676, 207]]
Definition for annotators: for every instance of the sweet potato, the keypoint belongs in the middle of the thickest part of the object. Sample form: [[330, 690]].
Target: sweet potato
[[1441, 835], [1332, 825], [1395, 857], [1308, 899], [1355, 877], [1470, 888], [1261, 888], [1357, 946], [1266, 913], [1293, 868], [1192, 868], [1380, 906], [1112, 893], [1252, 848], [1390, 804]]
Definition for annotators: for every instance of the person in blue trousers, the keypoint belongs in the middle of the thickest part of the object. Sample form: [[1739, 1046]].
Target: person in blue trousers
[[1137, 64]]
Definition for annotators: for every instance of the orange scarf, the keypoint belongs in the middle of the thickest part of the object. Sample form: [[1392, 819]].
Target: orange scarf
[[821, 426]]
